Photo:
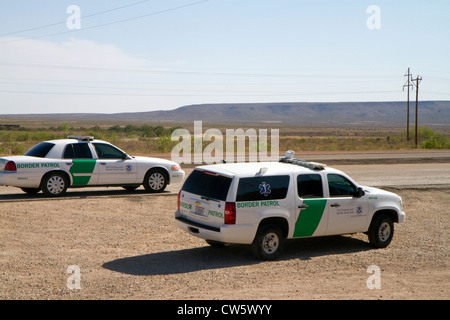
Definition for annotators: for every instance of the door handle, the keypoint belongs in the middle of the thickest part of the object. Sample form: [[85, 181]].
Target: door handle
[[334, 205], [303, 206]]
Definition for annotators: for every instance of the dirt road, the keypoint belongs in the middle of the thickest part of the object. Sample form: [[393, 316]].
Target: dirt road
[[125, 246]]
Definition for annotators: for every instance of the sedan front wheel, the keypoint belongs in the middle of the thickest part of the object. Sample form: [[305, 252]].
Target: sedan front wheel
[[155, 180]]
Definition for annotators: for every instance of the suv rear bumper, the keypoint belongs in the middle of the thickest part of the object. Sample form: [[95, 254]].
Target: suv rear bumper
[[242, 234]]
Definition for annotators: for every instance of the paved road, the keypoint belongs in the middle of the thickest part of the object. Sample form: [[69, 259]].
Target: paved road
[[374, 157], [405, 175], [376, 175]]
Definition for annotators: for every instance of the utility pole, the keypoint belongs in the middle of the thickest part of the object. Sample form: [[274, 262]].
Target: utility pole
[[417, 80], [407, 84]]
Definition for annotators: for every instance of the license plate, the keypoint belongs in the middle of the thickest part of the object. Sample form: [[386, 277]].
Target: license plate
[[200, 211]]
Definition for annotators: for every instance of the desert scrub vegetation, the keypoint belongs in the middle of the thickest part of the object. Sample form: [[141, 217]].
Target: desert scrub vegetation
[[427, 139], [147, 139], [134, 139]]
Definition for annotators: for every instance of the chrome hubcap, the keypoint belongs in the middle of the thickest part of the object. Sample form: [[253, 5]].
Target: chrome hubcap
[[270, 243], [156, 181], [384, 232], [55, 185]]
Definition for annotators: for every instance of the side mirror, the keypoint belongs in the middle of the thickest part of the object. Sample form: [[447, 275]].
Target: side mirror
[[359, 192], [125, 156]]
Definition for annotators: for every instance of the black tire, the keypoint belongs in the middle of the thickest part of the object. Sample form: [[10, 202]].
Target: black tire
[[130, 188], [54, 184], [215, 244], [31, 190], [381, 231], [268, 242], [155, 180]]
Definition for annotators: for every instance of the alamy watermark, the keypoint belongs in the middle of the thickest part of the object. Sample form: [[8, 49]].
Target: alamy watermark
[[74, 280], [73, 22], [190, 147], [374, 280], [374, 20]]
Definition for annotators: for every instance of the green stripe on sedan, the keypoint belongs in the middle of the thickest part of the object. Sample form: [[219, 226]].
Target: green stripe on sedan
[[81, 171]]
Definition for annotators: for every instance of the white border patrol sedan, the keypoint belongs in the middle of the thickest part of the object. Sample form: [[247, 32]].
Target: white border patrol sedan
[[262, 204], [80, 161]]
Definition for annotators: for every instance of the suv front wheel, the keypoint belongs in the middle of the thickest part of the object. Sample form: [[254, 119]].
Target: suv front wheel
[[381, 231], [268, 242]]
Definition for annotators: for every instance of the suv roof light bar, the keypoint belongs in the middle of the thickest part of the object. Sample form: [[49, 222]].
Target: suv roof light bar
[[303, 163]]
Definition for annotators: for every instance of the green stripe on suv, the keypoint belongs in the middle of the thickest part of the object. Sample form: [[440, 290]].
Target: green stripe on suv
[[81, 171], [310, 217]]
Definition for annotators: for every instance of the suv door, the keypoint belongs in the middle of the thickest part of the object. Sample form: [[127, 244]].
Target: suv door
[[312, 211], [115, 167], [347, 213]]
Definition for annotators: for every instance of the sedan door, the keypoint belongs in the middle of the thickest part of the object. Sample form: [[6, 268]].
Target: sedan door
[[78, 161], [115, 167]]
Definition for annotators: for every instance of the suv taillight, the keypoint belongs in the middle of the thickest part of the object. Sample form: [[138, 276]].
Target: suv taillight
[[178, 200], [10, 166], [230, 213]]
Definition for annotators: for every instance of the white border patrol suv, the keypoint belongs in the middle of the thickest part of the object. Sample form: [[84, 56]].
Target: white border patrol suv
[[263, 204], [80, 161]]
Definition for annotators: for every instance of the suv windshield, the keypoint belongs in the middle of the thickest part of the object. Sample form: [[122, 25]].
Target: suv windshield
[[209, 185], [40, 150]]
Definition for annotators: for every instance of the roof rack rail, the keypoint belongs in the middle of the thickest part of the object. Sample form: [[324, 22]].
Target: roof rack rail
[[82, 138], [303, 163]]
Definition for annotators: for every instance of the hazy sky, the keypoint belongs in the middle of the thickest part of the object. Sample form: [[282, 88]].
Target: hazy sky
[[131, 55]]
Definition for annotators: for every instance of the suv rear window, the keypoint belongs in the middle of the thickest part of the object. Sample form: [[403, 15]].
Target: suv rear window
[[208, 185], [40, 150], [262, 188]]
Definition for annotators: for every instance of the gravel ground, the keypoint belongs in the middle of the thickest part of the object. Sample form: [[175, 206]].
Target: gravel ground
[[125, 246]]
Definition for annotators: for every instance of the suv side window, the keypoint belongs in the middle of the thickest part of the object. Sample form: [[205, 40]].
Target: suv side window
[[340, 186], [77, 151], [309, 186], [262, 188]]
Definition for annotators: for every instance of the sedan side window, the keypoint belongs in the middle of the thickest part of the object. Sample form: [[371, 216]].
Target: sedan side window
[[340, 186], [106, 151], [77, 151]]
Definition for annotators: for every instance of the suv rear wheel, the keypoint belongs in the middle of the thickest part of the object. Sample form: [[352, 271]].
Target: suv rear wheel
[[268, 242]]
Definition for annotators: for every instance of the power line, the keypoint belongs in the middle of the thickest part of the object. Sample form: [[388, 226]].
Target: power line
[[417, 80], [190, 73], [63, 22], [408, 85], [110, 23], [223, 93]]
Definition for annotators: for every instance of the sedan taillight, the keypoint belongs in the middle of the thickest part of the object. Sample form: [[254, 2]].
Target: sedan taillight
[[10, 166]]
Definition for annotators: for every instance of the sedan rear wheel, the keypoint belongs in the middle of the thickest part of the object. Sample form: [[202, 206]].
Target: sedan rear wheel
[[54, 184]]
